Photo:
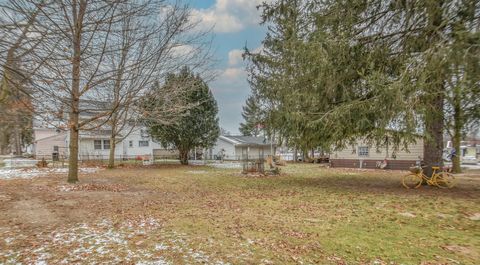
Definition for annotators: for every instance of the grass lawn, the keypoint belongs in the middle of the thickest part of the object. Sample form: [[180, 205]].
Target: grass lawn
[[174, 214]]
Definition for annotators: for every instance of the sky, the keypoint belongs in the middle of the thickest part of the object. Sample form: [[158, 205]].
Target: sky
[[235, 23]]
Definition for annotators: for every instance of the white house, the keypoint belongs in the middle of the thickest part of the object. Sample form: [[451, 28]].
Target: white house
[[132, 143], [238, 147], [49, 142], [363, 155], [95, 144]]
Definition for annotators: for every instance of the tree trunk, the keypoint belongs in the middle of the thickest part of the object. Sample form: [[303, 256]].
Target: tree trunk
[[434, 112], [457, 129], [433, 142], [113, 144], [111, 156], [73, 147], [183, 156], [295, 156], [75, 92], [456, 168], [17, 138]]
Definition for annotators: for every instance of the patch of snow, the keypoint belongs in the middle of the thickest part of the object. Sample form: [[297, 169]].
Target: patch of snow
[[407, 214], [9, 240], [28, 173], [65, 188], [108, 240], [161, 246], [197, 172], [156, 262], [216, 164], [227, 165]]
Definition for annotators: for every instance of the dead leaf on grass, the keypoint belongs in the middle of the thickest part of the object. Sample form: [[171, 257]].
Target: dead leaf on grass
[[475, 217], [407, 214], [93, 187], [459, 249], [337, 260]]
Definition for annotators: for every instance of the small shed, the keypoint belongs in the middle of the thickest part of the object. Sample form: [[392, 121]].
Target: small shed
[[230, 147]]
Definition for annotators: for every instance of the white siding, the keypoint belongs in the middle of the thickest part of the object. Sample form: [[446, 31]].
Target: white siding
[[87, 150], [41, 133], [233, 152], [44, 148], [229, 148], [415, 152], [253, 152], [136, 150]]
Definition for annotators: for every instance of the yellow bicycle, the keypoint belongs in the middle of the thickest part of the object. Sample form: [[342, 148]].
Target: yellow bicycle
[[440, 178]]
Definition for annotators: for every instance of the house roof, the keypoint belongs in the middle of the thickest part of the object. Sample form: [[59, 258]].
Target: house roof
[[245, 140], [98, 134], [62, 134]]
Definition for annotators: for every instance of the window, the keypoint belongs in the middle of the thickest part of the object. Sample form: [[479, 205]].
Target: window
[[55, 148], [130, 143], [97, 144], [106, 144], [363, 151], [143, 143], [144, 133]]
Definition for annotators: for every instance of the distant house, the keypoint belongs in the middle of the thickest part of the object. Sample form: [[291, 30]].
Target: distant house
[[49, 142], [237, 147], [363, 155], [132, 141], [468, 152], [95, 144]]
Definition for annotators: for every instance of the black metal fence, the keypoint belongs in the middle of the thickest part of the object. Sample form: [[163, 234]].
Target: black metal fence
[[102, 160]]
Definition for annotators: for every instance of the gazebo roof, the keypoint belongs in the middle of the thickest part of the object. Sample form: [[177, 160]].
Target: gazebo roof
[[246, 140]]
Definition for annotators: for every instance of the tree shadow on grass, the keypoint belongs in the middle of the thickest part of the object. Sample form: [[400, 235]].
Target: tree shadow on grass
[[377, 184]]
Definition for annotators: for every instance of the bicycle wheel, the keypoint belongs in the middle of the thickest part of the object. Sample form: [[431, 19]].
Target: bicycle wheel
[[444, 180], [412, 181]]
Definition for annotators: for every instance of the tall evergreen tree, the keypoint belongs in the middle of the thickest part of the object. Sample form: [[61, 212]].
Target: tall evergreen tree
[[252, 114], [197, 126], [378, 69]]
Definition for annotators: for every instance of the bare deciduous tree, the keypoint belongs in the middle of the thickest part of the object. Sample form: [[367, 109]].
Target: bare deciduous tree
[[148, 45], [96, 57]]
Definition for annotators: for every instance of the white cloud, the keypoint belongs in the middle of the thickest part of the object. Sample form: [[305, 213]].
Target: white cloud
[[182, 50], [231, 90], [235, 57], [233, 74], [229, 15]]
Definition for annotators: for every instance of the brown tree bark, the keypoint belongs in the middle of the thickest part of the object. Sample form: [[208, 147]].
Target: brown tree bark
[[17, 138], [113, 144], [457, 129], [433, 142], [73, 146], [434, 101], [456, 167], [75, 92], [183, 156], [111, 156]]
